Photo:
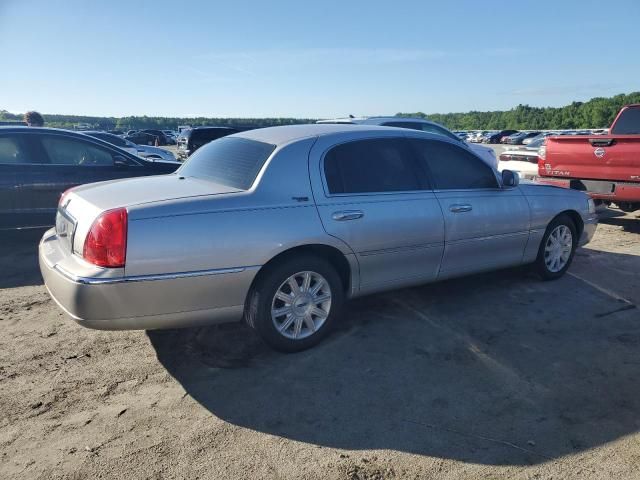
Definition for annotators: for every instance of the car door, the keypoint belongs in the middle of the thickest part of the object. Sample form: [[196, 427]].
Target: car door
[[486, 225], [64, 162], [16, 162], [371, 194], [82, 161]]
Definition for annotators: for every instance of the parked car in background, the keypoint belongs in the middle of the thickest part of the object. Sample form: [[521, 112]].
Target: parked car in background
[[497, 136], [520, 137], [605, 166], [159, 134], [486, 153], [505, 137], [121, 142], [144, 151], [142, 138], [130, 132], [540, 135], [280, 225], [191, 139], [155, 154], [38, 164], [523, 160]]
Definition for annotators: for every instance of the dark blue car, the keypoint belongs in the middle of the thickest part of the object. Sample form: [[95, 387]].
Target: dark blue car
[[38, 164]]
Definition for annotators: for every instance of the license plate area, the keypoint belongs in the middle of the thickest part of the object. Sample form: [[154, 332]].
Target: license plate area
[[65, 228]]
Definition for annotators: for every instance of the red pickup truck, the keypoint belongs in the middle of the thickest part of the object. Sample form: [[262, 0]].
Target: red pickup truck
[[605, 166]]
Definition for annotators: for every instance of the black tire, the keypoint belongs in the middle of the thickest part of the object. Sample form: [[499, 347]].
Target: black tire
[[261, 297], [540, 265]]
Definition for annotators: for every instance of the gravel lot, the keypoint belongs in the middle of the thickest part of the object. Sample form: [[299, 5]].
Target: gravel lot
[[493, 376]]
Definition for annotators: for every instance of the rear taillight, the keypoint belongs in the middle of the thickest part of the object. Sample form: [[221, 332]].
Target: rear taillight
[[106, 242], [505, 158]]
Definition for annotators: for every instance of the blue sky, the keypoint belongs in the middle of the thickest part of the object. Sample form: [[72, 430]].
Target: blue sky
[[312, 59]]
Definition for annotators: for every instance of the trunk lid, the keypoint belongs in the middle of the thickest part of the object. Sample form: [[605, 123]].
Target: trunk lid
[[82, 205], [600, 157]]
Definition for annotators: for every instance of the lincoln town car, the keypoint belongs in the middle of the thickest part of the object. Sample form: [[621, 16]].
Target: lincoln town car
[[280, 226]]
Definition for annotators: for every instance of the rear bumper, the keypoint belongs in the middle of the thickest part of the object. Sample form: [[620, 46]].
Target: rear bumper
[[145, 302]]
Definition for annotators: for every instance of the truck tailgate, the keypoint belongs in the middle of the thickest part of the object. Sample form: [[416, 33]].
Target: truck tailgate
[[601, 157]]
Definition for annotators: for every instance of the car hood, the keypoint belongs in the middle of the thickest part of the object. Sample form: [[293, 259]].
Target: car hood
[[141, 190]]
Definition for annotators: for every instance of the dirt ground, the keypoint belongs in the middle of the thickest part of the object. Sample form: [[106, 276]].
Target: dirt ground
[[495, 376]]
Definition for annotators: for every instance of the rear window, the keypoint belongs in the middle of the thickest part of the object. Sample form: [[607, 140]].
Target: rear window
[[234, 162], [628, 122]]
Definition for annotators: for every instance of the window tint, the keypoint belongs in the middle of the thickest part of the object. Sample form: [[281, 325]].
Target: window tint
[[66, 151], [628, 123], [453, 167], [234, 162], [13, 149], [369, 166]]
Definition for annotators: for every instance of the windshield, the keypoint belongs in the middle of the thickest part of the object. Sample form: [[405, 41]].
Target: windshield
[[231, 161]]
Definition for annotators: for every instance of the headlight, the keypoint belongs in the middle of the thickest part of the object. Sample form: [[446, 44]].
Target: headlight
[[592, 205]]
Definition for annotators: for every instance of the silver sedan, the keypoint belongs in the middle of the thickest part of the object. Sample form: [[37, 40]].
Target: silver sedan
[[279, 226]]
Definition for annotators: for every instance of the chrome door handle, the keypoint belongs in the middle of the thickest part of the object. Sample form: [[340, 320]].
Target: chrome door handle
[[347, 215], [459, 208]]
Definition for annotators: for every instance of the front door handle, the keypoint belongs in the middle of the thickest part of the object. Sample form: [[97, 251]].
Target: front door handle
[[347, 215], [459, 208]]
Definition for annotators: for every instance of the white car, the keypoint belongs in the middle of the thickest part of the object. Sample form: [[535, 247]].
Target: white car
[[154, 153], [486, 153], [523, 160]]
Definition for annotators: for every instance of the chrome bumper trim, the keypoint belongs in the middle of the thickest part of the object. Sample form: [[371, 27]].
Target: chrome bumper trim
[[145, 278]]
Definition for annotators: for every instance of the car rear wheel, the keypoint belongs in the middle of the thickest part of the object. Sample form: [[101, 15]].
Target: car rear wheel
[[557, 248], [294, 304]]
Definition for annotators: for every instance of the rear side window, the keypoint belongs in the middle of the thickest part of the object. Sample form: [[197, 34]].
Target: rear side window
[[66, 151], [452, 167], [628, 123], [14, 150], [371, 166], [234, 162]]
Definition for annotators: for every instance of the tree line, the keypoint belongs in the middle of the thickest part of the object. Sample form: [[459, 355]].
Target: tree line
[[598, 112]]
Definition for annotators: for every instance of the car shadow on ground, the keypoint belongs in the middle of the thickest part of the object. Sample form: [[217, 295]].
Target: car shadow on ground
[[498, 369], [19, 261]]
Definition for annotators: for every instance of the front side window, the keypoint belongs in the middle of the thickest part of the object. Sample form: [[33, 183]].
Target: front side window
[[452, 167], [230, 161], [14, 150], [371, 166], [66, 151]]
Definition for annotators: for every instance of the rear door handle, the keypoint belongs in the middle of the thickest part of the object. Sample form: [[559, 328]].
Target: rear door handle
[[459, 208], [347, 215]]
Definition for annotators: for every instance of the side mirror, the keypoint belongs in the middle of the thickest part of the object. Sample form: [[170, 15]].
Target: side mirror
[[510, 178]]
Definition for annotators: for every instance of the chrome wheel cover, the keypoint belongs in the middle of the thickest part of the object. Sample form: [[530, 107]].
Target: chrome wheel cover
[[301, 305], [557, 250]]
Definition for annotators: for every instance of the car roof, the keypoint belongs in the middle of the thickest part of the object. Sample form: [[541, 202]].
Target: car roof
[[375, 120], [283, 135]]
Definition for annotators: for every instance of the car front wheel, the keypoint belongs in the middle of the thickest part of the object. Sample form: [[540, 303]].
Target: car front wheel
[[294, 304], [557, 248]]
